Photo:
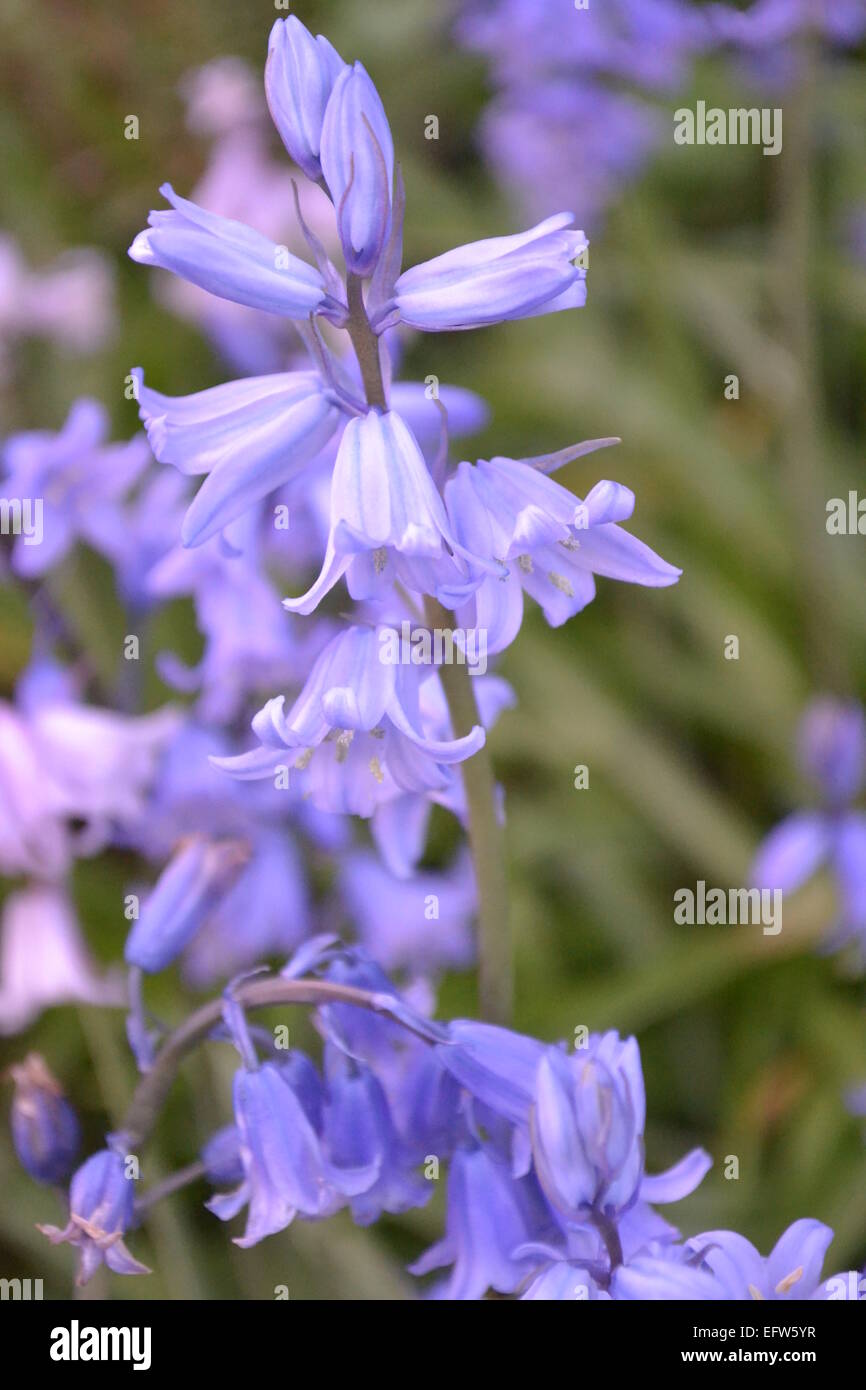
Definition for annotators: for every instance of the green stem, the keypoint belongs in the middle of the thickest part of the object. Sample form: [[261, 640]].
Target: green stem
[[365, 343], [801, 431], [495, 965], [153, 1088]]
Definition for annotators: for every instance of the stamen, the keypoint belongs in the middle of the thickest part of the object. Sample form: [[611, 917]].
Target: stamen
[[560, 582], [376, 769], [524, 562], [304, 759], [380, 559], [344, 742], [756, 1294], [790, 1280]]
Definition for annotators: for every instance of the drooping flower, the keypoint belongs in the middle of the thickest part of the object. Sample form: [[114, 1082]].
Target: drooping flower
[[387, 517], [101, 1211], [489, 1215], [354, 737], [548, 542], [587, 1126], [285, 1170], [360, 1133]]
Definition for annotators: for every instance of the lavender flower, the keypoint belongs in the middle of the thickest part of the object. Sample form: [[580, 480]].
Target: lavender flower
[[285, 1170], [101, 1201], [75, 480], [368, 712], [833, 753], [44, 960]]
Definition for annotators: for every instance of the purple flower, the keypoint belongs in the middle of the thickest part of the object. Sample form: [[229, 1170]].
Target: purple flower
[[354, 737], [69, 302], [360, 1133], [791, 1271], [420, 924], [187, 891], [547, 542], [357, 157], [249, 436], [44, 960], [484, 282], [101, 1211], [45, 1129], [587, 1128], [832, 745], [285, 1170], [833, 752], [489, 1215], [230, 260], [299, 78], [387, 518], [68, 486]]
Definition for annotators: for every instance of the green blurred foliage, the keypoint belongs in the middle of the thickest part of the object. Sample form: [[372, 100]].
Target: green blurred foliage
[[748, 1041]]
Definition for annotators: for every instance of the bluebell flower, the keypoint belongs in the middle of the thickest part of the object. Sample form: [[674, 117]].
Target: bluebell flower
[[496, 1065], [832, 750], [360, 1133], [354, 737], [420, 924], [299, 78], [548, 542], [587, 1124], [512, 277], [233, 261], [792, 1270], [285, 1170], [357, 157], [101, 1211], [187, 891], [489, 1215], [45, 1129], [387, 517], [44, 959], [70, 485], [249, 436]]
